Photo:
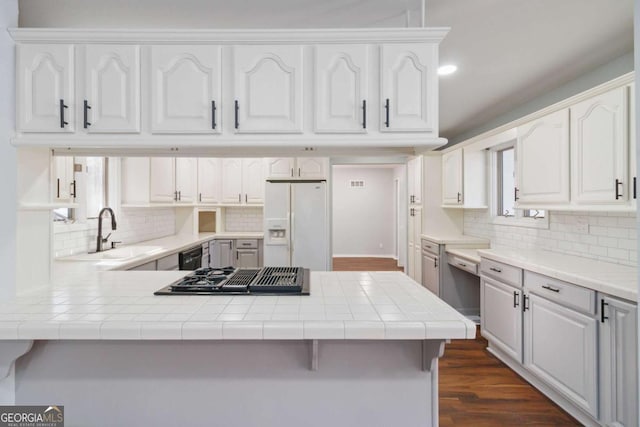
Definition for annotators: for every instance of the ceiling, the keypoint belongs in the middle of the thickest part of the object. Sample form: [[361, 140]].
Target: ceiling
[[507, 51]]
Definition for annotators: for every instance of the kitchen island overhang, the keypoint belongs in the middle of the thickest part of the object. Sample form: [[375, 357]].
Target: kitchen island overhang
[[178, 360]]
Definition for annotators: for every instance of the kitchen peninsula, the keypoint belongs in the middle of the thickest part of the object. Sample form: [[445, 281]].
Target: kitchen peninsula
[[362, 349]]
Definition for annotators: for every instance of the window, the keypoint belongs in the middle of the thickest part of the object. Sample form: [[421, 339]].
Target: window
[[504, 196], [63, 214]]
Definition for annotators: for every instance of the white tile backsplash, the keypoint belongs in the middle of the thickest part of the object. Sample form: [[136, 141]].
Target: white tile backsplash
[[133, 225], [607, 236], [244, 219]]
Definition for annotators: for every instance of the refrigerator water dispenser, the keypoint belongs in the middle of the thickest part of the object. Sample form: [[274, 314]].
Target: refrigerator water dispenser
[[276, 232]]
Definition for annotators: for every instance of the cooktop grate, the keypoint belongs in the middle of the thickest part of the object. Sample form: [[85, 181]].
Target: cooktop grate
[[279, 279], [240, 280]]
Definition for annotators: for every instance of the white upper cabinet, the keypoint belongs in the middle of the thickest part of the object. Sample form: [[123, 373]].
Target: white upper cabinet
[[45, 88], [414, 180], [208, 180], [452, 174], [280, 167], [409, 85], [542, 160], [253, 181], [243, 181], [312, 167], [186, 179], [268, 88], [185, 89], [599, 157], [162, 182], [341, 88], [112, 89], [231, 180], [64, 183], [633, 167]]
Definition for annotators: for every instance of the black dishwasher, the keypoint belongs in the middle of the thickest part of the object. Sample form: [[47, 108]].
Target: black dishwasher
[[191, 259]]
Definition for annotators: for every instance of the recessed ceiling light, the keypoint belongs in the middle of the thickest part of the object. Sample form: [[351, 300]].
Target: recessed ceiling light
[[445, 70]]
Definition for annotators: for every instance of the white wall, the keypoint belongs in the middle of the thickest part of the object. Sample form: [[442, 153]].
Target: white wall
[[8, 170], [363, 217], [605, 236]]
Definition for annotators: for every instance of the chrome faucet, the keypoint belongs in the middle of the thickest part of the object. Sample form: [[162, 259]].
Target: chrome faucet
[[102, 241]]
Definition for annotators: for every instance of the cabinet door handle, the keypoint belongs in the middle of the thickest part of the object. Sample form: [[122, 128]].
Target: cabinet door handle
[[299, 174], [239, 198], [634, 187], [175, 196], [292, 172], [602, 306], [497, 270], [58, 190], [386, 107], [526, 303], [200, 197], [364, 114], [179, 195], [551, 288], [459, 197], [73, 185], [245, 198], [237, 108], [618, 184], [516, 300], [62, 108], [435, 263], [213, 114], [86, 114], [515, 194]]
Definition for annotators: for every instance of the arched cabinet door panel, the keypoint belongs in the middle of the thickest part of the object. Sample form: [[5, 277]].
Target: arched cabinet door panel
[[409, 88], [341, 88], [112, 89], [268, 89], [45, 88], [185, 89]]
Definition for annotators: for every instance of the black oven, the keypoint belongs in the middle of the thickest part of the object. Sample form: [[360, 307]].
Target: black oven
[[191, 259]]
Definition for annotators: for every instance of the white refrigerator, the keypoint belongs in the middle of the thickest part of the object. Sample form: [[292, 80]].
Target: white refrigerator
[[296, 224]]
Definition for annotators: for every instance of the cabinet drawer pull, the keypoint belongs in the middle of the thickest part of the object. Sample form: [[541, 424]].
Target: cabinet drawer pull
[[602, 305], [386, 107], [86, 114], [462, 264], [364, 114], [618, 184], [62, 108], [516, 299], [497, 270], [551, 288], [213, 114], [237, 108]]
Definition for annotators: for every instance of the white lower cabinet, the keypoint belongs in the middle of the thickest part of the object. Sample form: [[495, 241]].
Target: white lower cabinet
[[431, 272], [501, 316], [618, 362], [560, 348]]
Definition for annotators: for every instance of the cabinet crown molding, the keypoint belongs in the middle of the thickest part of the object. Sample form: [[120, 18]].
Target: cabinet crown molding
[[205, 36]]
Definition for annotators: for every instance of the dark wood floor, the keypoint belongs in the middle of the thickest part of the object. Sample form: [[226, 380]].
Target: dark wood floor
[[476, 389], [366, 264]]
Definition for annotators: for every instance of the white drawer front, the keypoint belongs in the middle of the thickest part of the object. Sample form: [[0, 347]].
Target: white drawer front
[[429, 246], [567, 294], [503, 272], [463, 264], [247, 243]]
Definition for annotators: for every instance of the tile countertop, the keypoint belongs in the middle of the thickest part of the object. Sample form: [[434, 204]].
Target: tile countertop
[[613, 279], [168, 245], [120, 305], [447, 239], [468, 254]]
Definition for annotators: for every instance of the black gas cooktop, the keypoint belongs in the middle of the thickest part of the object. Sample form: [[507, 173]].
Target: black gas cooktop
[[243, 281]]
